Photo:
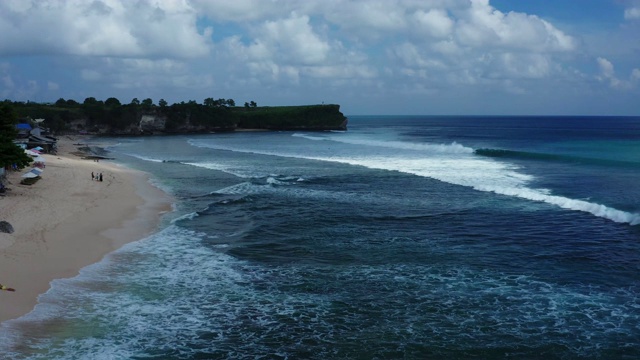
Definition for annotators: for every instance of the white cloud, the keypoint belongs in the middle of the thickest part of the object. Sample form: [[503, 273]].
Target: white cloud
[[102, 28], [12, 86], [447, 47], [607, 74], [483, 26], [434, 22], [90, 75], [295, 38], [606, 67], [632, 13], [291, 49], [243, 10], [532, 66], [163, 47], [412, 57], [291, 40]]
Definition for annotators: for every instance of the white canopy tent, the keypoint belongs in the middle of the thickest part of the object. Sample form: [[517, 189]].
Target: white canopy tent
[[29, 175], [35, 172]]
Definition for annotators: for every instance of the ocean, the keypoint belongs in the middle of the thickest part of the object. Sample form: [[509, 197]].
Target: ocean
[[405, 237]]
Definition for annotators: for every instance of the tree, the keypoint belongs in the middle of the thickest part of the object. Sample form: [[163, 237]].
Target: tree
[[61, 102], [112, 102], [162, 103], [253, 104], [135, 101], [10, 153], [231, 102], [90, 101], [209, 102], [147, 103]]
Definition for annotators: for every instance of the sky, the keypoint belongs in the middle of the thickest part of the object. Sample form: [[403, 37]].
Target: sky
[[373, 57]]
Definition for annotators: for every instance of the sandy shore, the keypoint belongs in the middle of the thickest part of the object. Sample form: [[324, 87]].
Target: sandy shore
[[66, 221]]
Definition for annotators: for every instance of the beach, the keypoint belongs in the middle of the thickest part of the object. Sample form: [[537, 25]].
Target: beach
[[66, 221]]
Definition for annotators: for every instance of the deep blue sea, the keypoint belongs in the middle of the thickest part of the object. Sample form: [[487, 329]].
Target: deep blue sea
[[401, 238]]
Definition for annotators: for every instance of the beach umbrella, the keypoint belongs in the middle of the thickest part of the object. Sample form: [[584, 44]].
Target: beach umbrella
[[36, 171], [37, 148], [31, 153], [39, 159]]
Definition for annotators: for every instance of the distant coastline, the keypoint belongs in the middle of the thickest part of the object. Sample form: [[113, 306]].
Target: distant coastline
[[110, 118]]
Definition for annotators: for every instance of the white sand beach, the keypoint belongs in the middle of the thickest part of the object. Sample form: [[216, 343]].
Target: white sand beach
[[66, 221]]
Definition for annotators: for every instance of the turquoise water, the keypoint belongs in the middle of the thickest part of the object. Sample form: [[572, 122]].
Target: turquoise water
[[399, 238]]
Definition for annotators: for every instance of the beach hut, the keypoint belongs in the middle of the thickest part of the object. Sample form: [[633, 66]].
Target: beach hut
[[23, 130], [46, 143]]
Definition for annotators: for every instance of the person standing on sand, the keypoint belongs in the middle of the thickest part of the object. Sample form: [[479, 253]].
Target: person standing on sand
[[100, 176], [2, 287], [92, 177]]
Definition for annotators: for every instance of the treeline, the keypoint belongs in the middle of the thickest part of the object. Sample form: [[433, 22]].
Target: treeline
[[111, 114], [113, 117]]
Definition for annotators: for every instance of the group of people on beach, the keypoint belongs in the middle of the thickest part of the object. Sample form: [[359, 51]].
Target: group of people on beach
[[96, 176]]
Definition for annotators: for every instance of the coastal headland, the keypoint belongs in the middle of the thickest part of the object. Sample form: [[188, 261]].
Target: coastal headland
[[68, 220], [139, 119]]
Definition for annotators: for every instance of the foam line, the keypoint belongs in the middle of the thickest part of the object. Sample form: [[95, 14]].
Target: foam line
[[455, 164]]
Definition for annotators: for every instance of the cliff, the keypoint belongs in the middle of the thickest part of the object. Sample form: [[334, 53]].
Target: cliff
[[312, 117], [186, 121], [181, 118]]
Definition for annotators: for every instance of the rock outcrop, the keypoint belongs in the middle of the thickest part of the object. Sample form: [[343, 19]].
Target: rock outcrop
[[151, 124], [5, 227]]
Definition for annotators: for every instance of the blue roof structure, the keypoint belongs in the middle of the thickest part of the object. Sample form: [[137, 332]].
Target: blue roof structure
[[23, 126]]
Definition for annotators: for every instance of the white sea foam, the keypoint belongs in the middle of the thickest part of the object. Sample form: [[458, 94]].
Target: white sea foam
[[451, 163], [491, 176], [454, 147], [189, 216], [484, 175], [168, 292], [244, 188], [309, 137], [235, 171], [274, 181], [145, 158]]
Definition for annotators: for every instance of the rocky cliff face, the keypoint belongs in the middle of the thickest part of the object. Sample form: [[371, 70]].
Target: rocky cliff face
[[152, 124], [194, 119]]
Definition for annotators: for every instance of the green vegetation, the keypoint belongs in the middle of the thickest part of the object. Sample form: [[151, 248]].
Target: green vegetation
[[115, 118], [10, 153], [309, 117]]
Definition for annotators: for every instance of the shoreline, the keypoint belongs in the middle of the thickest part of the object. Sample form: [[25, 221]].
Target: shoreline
[[66, 221]]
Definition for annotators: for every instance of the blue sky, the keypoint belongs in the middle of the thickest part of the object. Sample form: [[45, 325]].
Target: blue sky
[[452, 57]]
